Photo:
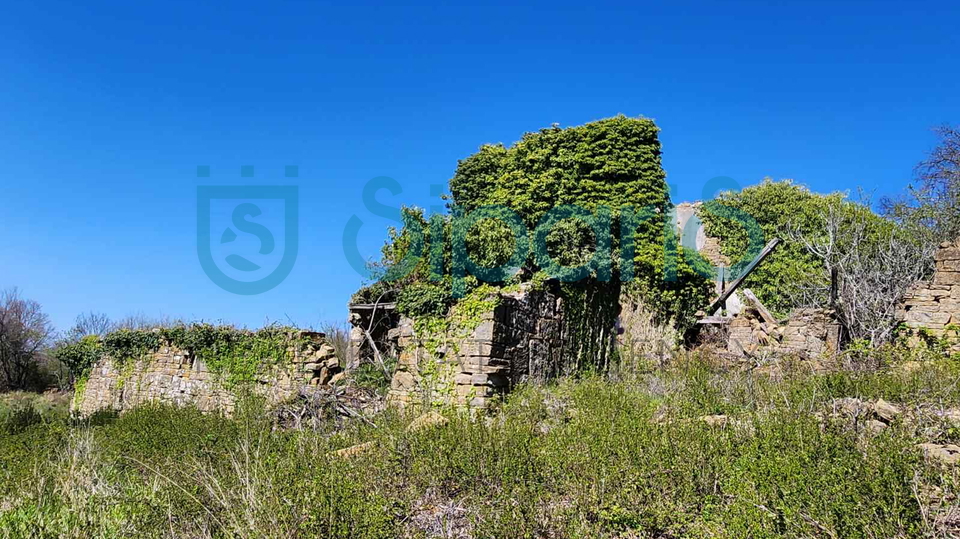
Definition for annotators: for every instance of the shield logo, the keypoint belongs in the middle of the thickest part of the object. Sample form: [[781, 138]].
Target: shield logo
[[243, 219]]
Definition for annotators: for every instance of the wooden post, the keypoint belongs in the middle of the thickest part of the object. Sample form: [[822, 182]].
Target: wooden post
[[834, 287], [721, 284]]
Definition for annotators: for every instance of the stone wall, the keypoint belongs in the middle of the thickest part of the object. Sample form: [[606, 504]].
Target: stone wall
[[934, 305], [175, 376], [807, 332], [518, 341]]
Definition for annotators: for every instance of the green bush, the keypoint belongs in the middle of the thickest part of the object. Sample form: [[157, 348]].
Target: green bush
[[424, 299], [81, 355]]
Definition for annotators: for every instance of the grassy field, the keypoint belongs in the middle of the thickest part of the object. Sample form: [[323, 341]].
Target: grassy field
[[686, 451]]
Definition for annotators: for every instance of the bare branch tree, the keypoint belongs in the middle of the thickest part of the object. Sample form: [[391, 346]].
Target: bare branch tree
[[875, 261], [24, 332], [90, 323], [932, 205], [140, 320]]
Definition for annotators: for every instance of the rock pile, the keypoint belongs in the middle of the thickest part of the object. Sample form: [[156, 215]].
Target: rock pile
[[807, 332]]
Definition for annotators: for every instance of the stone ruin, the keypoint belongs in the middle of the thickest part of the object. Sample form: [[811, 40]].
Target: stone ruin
[[522, 339], [175, 376], [518, 341], [933, 306], [745, 325]]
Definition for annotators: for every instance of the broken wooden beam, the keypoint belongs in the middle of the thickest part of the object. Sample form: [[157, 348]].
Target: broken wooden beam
[[767, 317], [722, 299]]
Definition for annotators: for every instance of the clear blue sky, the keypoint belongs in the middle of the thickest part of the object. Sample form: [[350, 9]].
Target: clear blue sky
[[107, 108]]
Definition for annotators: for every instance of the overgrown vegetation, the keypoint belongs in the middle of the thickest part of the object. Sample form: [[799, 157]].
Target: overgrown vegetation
[[234, 354], [778, 209], [581, 459], [873, 259], [595, 202]]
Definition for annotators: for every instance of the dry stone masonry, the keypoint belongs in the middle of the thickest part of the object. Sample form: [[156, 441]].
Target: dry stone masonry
[[518, 341], [175, 376], [934, 306], [807, 332]]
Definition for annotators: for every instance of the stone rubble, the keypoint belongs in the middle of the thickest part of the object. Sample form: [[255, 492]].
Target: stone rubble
[[943, 453], [807, 332], [427, 421]]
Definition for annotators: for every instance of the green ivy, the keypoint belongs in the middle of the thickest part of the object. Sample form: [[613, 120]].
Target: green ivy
[[609, 168], [80, 356], [447, 332], [129, 345], [424, 299], [235, 355]]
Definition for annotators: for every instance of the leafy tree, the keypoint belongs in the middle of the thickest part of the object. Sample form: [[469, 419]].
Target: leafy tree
[[779, 208], [874, 258]]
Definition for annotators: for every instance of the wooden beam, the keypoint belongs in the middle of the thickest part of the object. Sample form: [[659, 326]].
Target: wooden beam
[[717, 303], [371, 306], [714, 320], [767, 317]]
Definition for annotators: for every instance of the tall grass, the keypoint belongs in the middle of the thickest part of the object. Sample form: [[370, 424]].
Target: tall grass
[[587, 458]]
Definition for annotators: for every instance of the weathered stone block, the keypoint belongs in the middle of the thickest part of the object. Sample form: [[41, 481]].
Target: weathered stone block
[[468, 368], [403, 380], [950, 305], [948, 253], [927, 301], [922, 306], [923, 317], [947, 277], [481, 348], [948, 265]]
